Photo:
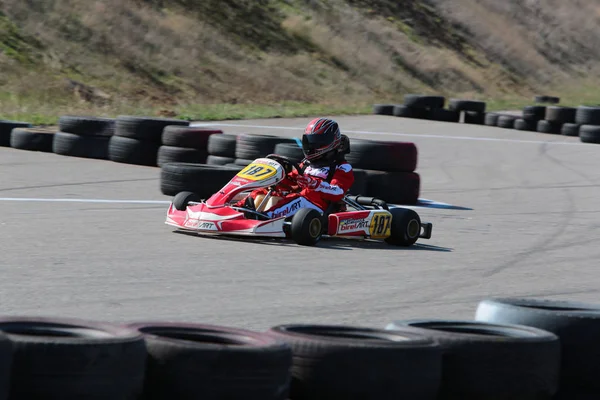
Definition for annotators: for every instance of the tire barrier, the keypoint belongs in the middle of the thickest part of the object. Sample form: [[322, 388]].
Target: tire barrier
[[193, 361], [514, 348], [576, 324], [137, 139], [32, 139], [487, 361], [582, 121], [6, 128], [184, 144], [83, 136], [344, 362]]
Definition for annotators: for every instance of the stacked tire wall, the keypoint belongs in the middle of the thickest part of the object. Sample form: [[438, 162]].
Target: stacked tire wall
[[513, 348]]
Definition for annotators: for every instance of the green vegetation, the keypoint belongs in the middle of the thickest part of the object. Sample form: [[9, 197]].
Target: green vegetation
[[231, 59]]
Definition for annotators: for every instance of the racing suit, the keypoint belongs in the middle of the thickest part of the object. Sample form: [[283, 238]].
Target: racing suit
[[316, 192]]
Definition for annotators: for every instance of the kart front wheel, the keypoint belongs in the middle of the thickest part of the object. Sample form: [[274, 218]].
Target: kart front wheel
[[182, 199], [406, 227], [307, 227]]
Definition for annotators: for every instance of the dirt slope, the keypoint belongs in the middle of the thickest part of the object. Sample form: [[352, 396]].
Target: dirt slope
[[122, 54]]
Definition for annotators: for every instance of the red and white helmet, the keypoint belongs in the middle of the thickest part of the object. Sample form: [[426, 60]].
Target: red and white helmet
[[321, 136]]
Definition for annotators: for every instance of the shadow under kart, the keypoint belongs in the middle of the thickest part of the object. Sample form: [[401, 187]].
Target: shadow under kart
[[357, 217]]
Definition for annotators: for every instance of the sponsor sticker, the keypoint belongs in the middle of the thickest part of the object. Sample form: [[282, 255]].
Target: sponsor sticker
[[207, 226], [293, 206], [353, 224]]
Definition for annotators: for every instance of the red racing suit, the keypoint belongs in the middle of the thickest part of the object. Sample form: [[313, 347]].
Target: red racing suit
[[318, 196]]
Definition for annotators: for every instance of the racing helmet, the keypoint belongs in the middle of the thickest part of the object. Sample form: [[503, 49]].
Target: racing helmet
[[321, 140]]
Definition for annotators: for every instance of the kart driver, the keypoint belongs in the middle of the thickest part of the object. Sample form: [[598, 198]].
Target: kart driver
[[327, 175]]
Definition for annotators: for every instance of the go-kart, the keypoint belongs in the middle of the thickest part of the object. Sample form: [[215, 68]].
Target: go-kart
[[354, 216]]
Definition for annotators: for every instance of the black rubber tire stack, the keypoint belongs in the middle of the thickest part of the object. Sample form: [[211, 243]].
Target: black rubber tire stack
[[486, 361], [530, 118], [506, 121], [32, 139], [252, 146], [389, 170], [422, 107], [57, 358], [6, 128], [546, 99], [194, 361], [555, 118], [184, 144], [576, 324], [383, 109], [589, 120], [352, 363], [83, 136], [221, 149], [473, 112], [137, 139], [202, 179]]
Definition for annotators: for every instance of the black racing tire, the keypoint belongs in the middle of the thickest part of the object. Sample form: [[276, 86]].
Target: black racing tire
[[467, 105], [491, 119], [410, 112], [487, 361], [290, 150], [383, 155], [167, 154], [534, 113], [253, 146], [86, 125], [222, 145], [474, 118], [570, 129], [307, 227], [6, 360], [188, 136], [589, 133], [218, 160], [424, 101], [133, 151], [204, 180], [405, 228], [587, 115], [560, 115], [194, 361], [506, 121], [443, 115], [360, 185], [547, 99], [148, 129], [70, 144], [383, 109], [544, 126], [394, 187], [33, 139], [576, 324], [59, 358], [182, 199], [525, 125], [356, 363], [6, 128]]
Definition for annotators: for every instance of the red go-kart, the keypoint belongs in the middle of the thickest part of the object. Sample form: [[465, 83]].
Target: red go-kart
[[354, 216]]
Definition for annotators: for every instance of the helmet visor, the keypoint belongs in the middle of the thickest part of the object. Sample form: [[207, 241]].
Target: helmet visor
[[312, 143]]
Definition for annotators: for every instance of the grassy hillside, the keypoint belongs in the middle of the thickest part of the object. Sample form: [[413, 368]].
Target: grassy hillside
[[207, 59]]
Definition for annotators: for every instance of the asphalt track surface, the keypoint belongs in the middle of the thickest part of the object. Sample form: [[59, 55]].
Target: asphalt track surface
[[531, 229]]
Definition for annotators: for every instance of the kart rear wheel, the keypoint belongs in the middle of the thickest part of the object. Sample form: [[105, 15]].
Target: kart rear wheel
[[181, 200], [307, 227], [406, 227]]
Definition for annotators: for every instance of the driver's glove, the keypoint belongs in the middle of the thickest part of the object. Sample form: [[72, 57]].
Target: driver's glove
[[308, 182]]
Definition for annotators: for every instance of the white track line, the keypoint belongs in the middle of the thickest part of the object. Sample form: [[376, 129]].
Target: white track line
[[418, 135], [422, 204], [25, 199]]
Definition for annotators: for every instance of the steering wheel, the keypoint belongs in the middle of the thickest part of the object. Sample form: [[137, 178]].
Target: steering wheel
[[286, 163]]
